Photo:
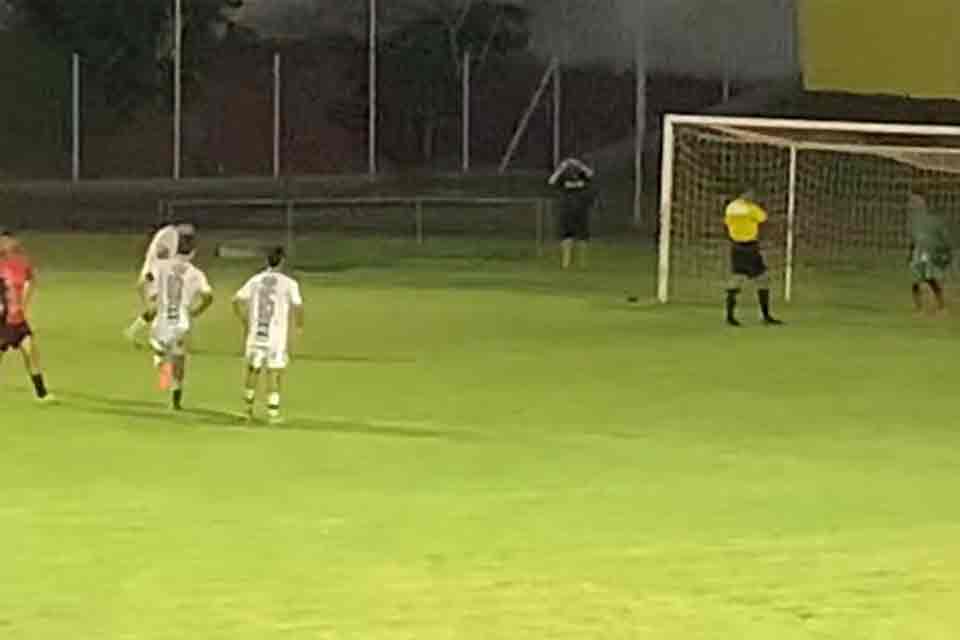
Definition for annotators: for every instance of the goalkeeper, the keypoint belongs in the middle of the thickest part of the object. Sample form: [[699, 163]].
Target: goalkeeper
[[931, 252], [743, 217]]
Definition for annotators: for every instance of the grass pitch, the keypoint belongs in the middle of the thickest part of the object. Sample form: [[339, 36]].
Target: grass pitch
[[480, 447]]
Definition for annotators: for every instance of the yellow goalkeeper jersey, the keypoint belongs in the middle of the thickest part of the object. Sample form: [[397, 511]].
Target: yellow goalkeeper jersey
[[743, 219]]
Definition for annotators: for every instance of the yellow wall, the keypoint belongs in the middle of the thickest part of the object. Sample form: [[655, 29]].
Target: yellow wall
[[903, 47]]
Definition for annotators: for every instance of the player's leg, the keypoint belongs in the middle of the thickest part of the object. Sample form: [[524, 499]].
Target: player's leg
[[179, 363], [566, 252], [917, 291], [143, 321], [734, 287], [250, 384], [253, 367], [274, 381], [936, 286], [567, 234], [31, 361], [582, 237], [761, 277], [276, 365]]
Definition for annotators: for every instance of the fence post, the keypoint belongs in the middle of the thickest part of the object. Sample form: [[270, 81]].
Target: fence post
[[291, 247], [540, 222], [418, 212], [75, 120]]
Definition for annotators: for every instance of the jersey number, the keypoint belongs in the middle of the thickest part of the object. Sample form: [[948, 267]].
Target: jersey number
[[266, 307], [174, 297]]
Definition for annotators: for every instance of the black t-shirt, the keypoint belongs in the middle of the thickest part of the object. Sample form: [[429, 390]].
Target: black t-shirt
[[576, 191]]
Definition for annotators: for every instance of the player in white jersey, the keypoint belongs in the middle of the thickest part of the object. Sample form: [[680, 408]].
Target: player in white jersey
[[178, 293], [163, 245], [265, 306]]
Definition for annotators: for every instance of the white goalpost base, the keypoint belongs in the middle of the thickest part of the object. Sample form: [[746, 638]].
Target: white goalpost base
[[836, 193]]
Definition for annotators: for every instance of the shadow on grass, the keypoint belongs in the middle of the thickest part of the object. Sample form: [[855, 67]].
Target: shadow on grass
[[214, 418]]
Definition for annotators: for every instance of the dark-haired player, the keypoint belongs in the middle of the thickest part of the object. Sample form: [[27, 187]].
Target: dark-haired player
[[931, 254], [743, 217], [574, 180], [17, 285], [178, 292], [163, 245], [265, 306]]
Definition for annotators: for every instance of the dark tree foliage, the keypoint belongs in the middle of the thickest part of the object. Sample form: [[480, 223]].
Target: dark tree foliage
[[421, 62], [126, 45]]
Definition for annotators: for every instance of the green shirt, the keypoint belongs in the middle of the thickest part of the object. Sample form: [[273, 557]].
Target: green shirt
[[928, 230]]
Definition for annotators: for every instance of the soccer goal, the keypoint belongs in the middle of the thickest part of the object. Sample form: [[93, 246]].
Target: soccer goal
[[836, 194], [243, 226]]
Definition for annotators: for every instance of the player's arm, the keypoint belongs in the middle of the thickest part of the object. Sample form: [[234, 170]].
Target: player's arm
[[241, 304], [241, 309], [28, 288], [759, 214], [204, 298], [204, 301]]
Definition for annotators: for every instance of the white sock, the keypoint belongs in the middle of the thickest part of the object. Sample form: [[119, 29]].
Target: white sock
[[250, 395], [273, 401]]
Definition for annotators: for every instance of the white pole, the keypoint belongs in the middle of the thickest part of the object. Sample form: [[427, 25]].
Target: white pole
[[557, 111], [666, 209], [277, 107], [76, 117], [177, 89], [465, 112], [791, 226], [372, 82], [525, 118]]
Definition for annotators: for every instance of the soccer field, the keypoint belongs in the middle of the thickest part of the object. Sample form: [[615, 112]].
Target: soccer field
[[481, 447]]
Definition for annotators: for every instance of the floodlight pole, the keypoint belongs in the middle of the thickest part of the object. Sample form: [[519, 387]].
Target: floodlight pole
[[372, 90], [465, 112], [276, 115], [641, 121], [75, 173], [177, 88], [557, 112]]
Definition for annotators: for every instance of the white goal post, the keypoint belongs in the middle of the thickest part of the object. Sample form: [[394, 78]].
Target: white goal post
[[834, 190], [293, 213]]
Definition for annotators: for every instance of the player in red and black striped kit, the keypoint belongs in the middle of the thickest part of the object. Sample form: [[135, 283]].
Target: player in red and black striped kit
[[16, 289]]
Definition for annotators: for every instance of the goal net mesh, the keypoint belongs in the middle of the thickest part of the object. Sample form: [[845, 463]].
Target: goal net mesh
[[849, 239]]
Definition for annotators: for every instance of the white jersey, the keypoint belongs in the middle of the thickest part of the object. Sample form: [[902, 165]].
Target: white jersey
[[177, 284], [270, 295], [162, 245]]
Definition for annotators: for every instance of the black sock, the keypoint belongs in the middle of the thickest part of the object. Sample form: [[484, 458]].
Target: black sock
[[731, 303], [177, 398], [763, 296], [39, 386]]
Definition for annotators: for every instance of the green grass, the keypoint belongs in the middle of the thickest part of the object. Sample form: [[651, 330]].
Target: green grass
[[480, 447]]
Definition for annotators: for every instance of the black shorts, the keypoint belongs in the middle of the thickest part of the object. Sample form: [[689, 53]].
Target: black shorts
[[746, 260], [574, 223], [13, 335]]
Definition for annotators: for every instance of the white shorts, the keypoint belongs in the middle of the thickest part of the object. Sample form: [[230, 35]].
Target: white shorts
[[168, 342], [272, 358]]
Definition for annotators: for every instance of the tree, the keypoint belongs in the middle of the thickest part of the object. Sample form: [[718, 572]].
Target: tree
[[424, 58], [125, 44]]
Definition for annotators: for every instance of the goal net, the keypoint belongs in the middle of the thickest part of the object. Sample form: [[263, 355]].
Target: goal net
[[836, 194], [326, 233]]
